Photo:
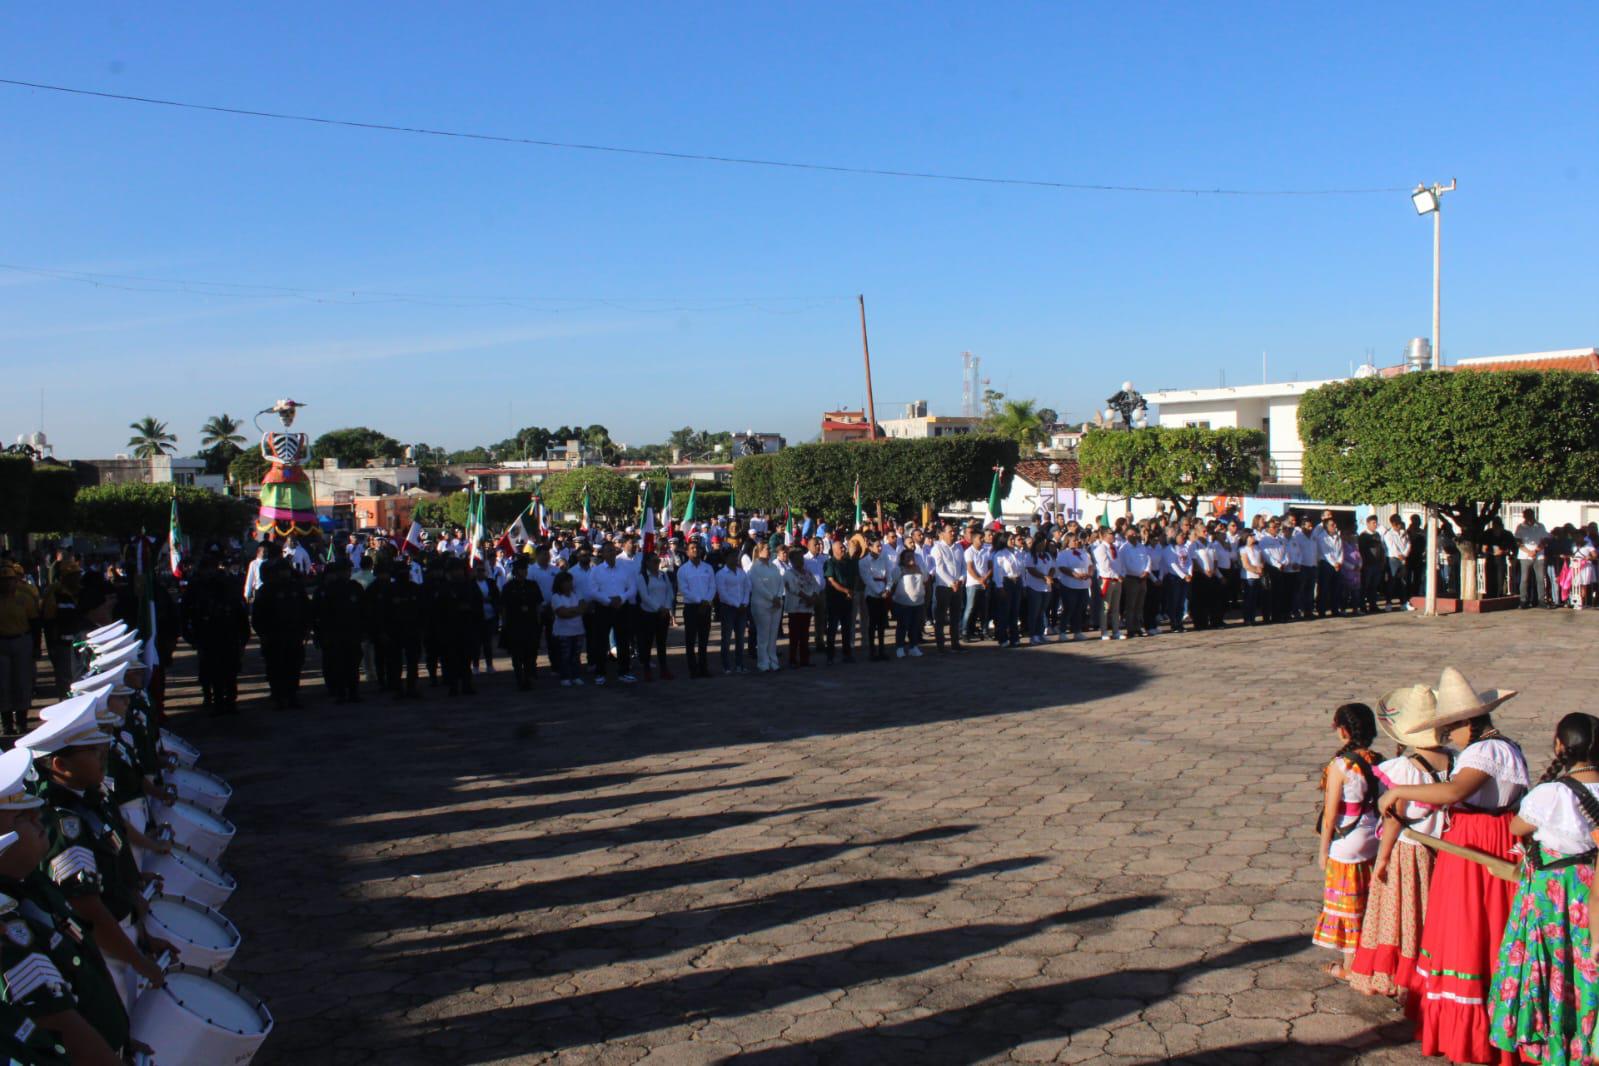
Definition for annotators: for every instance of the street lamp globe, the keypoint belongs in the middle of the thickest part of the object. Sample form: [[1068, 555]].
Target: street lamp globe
[[1110, 414], [1054, 470], [1140, 420]]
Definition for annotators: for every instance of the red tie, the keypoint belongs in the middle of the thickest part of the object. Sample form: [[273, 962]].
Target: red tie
[[1113, 551]]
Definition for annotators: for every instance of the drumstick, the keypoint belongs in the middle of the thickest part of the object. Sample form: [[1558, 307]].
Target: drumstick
[[1503, 869]]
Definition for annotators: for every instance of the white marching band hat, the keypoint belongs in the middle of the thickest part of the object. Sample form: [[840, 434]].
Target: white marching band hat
[[16, 766], [69, 724], [107, 645], [128, 654], [106, 633], [111, 679]]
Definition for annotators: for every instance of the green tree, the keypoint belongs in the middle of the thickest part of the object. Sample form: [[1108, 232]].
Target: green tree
[[612, 495], [1048, 416], [50, 500], [150, 438], [220, 442], [1020, 421], [16, 487], [355, 445], [992, 398], [248, 468], [126, 509], [1176, 465], [1463, 442]]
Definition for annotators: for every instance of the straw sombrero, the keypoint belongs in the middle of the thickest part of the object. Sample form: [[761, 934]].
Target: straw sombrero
[[1406, 715], [1456, 701]]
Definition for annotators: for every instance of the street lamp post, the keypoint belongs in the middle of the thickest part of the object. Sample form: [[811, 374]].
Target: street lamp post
[[1133, 409], [1054, 491], [1429, 201]]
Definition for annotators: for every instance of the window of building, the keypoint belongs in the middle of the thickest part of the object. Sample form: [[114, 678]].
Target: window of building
[[182, 479], [1202, 423]]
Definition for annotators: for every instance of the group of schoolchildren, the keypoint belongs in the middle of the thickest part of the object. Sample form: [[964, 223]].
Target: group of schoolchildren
[[1455, 883]]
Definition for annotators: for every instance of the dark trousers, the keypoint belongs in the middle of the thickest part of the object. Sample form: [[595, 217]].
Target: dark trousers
[[840, 616], [603, 623], [401, 654], [876, 626], [1007, 600], [1176, 602], [284, 658], [484, 649], [455, 661], [799, 638], [1206, 597], [523, 648], [1329, 592], [907, 624], [1371, 582], [60, 652], [1154, 601], [1252, 592], [947, 604], [1074, 609], [735, 622], [696, 637], [218, 666], [341, 668], [650, 631], [1284, 593]]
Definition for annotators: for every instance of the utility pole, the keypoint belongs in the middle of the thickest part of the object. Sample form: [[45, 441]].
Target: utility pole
[[866, 350], [1429, 200]]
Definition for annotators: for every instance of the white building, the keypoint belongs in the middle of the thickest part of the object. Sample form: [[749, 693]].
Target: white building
[[917, 423]]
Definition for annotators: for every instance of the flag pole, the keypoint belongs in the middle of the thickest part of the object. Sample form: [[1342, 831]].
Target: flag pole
[[866, 350]]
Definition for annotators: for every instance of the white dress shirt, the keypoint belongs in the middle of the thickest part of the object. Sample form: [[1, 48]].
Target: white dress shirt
[[1107, 562], [696, 582], [733, 586], [949, 564]]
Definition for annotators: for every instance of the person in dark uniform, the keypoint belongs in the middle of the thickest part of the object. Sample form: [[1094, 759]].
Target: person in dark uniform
[[280, 616], [63, 621], [217, 623], [434, 637], [394, 613], [89, 857], [521, 619], [458, 620], [337, 610]]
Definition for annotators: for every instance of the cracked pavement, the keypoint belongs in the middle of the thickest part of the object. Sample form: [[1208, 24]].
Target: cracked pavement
[[1089, 853]]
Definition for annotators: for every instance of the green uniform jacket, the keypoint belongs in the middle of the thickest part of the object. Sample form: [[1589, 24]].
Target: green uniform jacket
[[89, 852]]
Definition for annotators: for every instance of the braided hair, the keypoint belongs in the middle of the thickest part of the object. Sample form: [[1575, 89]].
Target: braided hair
[[1360, 722], [1578, 735]]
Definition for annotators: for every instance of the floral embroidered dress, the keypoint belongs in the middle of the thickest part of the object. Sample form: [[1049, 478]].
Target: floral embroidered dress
[[1546, 984]]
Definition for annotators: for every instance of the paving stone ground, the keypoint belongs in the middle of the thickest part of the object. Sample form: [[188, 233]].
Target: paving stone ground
[[1089, 853]]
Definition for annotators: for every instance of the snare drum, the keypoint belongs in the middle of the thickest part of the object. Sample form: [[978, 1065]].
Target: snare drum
[[200, 788], [201, 1020], [183, 873], [197, 829], [186, 754], [202, 938]]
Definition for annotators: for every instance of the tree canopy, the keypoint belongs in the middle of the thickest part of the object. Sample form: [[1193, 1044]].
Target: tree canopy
[[821, 478], [355, 445], [1022, 422], [150, 438], [1179, 466], [611, 494], [126, 509], [248, 468], [1464, 442]]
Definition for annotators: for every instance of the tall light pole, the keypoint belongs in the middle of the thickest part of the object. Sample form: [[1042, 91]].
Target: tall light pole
[[1429, 201]]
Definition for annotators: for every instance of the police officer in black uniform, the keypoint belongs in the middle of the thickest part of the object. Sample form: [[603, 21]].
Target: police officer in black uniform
[[394, 612], [458, 621], [281, 615], [337, 610], [521, 610], [217, 623]]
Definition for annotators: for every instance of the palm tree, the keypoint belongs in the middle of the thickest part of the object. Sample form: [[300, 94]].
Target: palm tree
[[219, 430], [1018, 420], [150, 438]]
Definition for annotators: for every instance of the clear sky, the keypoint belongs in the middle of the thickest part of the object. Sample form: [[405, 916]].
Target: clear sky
[[548, 286]]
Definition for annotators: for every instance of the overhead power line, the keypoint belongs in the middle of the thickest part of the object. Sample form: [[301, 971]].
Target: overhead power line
[[700, 157]]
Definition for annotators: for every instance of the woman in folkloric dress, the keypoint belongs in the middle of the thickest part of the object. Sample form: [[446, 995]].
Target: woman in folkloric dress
[[286, 506]]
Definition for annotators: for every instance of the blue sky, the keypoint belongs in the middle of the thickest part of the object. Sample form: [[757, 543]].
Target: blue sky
[[551, 286]]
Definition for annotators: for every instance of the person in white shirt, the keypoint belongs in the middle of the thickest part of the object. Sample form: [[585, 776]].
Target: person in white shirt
[[1253, 563], [297, 556], [696, 585], [1226, 568], [1302, 550], [1006, 595], [1038, 579], [1074, 570], [1202, 581], [949, 576], [1396, 552], [876, 574], [979, 582], [1179, 580], [653, 616], [815, 560], [766, 606], [909, 597], [1329, 541], [566, 611], [1108, 572], [802, 589], [1530, 536], [252, 573], [1135, 573], [733, 601], [1276, 595], [613, 598]]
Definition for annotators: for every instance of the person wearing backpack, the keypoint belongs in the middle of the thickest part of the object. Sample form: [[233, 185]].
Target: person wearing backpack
[[1396, 910], [1348, 828], [1546, 987]]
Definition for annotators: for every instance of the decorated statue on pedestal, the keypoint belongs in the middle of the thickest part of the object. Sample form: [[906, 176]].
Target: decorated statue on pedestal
[[286, 506]]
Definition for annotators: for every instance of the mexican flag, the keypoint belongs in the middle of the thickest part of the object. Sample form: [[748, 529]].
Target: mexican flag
[[857, 501], [994, 506], [475, 528], [647, 523], [586, 524], [413, 540], [666, 510], [688, 510], [175, 539], [540, 517], [788, 526], [732, 501], [515, 535]]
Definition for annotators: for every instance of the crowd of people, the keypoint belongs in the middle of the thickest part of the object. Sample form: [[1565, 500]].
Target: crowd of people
[[1489, 942], [606, 606]]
